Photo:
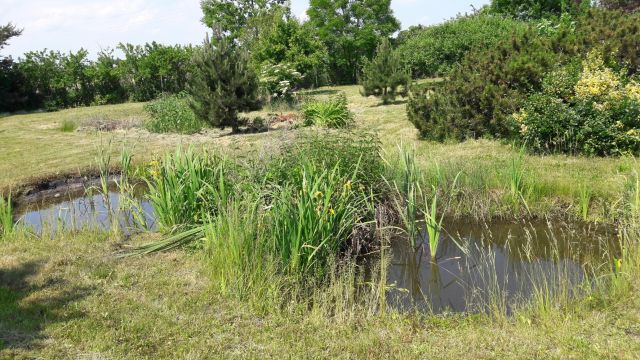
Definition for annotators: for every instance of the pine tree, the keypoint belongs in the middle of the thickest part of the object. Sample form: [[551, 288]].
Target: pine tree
[[385, 76], [223, 83]]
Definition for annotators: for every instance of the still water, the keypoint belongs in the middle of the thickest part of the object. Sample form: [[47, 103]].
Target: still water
[[483, 266]]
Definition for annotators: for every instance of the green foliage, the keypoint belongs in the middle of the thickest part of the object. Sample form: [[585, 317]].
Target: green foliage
[[312, 219], [7, 32], [186, 187], [351, 29], [223, 83], [436, 50], [284, 40], [6, 216], [385, 76], [68, 126], [535, 9], [279, 81], [626, 5], [596, 112], [235, 17], [172, 114], [333, 113], [347, 153]]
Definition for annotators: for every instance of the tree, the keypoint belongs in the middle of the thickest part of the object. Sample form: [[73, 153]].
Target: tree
[[352, 30], [7, 32], [536, 9], [384, 76], [626, 5], [286, 40], [232, 17], [223, 83]]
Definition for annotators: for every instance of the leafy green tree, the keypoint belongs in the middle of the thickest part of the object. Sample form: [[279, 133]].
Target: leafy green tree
[[223, 83], [106, 81], [536, 9], [626, 5], [233, 17], [352, 30], [11, 95], [286, 40], [385, 76]]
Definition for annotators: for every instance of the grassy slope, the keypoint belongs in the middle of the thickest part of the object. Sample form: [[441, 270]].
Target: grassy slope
[[33, 147], [68, 298]]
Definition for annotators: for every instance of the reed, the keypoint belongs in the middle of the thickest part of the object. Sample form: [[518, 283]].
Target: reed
[[584, 200]]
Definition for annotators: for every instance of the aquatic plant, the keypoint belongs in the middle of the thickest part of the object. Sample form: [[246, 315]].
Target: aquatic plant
[[187, 187], [584, 201]]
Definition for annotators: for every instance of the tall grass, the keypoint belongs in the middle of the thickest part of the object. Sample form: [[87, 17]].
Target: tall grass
[[186, 187], [333, 113], [310, 221], [584, 201], [6, 216], [68, 126]]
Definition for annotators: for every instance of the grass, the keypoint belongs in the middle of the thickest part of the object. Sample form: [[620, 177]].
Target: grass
[[68, 126], [333, 113], [65, 299], [6, 216], [71, 297]]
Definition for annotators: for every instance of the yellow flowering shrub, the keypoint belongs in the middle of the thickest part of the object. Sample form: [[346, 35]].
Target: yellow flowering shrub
[[597, 81]]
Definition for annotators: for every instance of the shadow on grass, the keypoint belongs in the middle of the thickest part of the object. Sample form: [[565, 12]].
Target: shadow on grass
[[321, 92], [26, 309], [396, 102]]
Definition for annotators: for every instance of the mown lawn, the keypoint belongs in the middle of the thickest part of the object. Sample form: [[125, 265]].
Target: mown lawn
[[69, 297]]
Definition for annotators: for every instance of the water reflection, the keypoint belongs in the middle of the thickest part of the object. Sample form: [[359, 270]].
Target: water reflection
[[79, 209], [483, 266]]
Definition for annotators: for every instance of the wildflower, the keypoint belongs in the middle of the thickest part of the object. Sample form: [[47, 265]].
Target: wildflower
[[332, 212], [318, 195], [348, 185]]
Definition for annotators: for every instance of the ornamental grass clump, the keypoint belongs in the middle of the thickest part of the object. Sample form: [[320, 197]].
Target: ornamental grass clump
[[333, 113]]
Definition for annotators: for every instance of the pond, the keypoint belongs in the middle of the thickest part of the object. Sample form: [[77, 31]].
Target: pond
[[479, 267], [83, 207], [484, 266]]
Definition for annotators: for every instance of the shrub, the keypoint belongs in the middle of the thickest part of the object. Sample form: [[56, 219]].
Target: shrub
[[490, 85], [223, 83], [600, 115], [384, 76], [172, 114], [279, 81], [348, 153], [333, 113], [436, 50]]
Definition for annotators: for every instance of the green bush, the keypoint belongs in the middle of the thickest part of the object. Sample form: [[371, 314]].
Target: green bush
[[172, 114], [333, 113], [435, 50], [349, 153], [596, 112]]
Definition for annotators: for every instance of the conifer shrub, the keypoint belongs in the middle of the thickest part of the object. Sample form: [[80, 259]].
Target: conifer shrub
[[223, 83], [385, 76]]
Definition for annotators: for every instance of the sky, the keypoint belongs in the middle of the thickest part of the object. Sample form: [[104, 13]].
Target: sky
[[68, 25]]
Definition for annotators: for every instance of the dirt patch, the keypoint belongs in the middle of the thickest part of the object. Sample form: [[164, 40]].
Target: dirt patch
[[99, 123]]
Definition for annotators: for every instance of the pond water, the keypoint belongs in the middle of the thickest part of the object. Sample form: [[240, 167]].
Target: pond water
[[479, 266], [498, 264], [72, 208]]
